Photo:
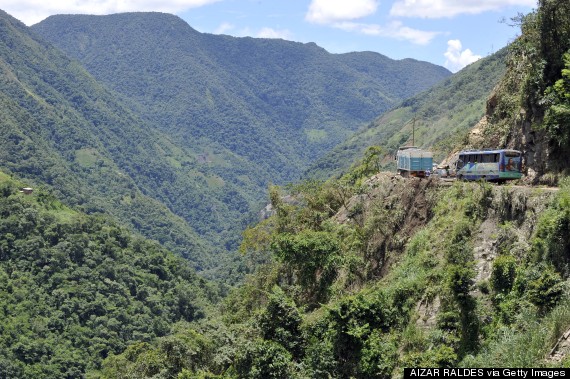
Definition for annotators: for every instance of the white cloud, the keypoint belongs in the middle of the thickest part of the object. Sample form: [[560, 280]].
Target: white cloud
[[223, 28], [263, 33], [272, 33], [341, 14], [331, 11], [457, 58], [393, 30], [450, 8], [34, 11]]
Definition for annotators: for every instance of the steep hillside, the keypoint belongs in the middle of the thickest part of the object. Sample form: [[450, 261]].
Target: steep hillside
[[185, 149], [443, 116], [61, 128], [76, 288], [364, 280], [530, 108], [368, 273], [277, 104]]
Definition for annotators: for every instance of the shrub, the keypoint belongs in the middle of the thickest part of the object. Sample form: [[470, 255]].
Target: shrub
[[379, 356], [281, 322], [264, 360], [545, 289], [503, 275]]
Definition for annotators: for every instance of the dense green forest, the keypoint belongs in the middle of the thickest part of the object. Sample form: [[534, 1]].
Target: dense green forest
[[169, 134], [247, 95], [76, 288], [64, 130], [250, 112], [354, 276]]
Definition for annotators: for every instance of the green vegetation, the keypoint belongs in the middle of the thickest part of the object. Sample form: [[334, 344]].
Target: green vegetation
[[530, 109], [172, 134], [75, 288], [558, 115], [63, 130], [357, 276], [346, 289], [443, 115], [225, 92], [323, 306]]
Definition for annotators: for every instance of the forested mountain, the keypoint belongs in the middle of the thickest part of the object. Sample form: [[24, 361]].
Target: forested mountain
[[279, 104], [63, 129], [444, 114], [368, 273], [76, 288], [178, 133], [251, 111], [362, 274]]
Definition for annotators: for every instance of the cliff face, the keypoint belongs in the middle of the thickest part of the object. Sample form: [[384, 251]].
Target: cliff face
[[521, 133], [529, 109], [468, 248], [402, 207], [392, 209]]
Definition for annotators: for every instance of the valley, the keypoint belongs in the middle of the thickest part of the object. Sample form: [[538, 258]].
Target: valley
[[150, 149]]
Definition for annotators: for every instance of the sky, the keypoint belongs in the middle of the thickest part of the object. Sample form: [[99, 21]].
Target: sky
[[449, 33]]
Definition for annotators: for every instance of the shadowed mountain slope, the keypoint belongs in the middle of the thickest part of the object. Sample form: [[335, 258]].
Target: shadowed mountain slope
[[231, 115], [178, 133]]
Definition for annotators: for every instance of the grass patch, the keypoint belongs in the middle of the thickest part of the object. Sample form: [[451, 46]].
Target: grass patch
[[316, 135]]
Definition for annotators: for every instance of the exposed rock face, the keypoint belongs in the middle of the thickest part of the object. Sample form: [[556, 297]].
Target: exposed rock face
[[519, 206], [535, 148], [507, 125], [560, 350], [400, 207], [393, 208]]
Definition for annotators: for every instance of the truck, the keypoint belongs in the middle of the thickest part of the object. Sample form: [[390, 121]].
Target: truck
[[413, 161]]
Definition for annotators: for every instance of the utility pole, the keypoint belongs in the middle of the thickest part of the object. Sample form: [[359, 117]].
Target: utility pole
[[414, 132]]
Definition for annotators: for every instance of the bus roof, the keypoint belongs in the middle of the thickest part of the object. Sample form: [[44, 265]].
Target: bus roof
[[488, 151], [407, 147]]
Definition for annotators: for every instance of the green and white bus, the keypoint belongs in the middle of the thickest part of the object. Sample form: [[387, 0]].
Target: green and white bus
[[490, 165]]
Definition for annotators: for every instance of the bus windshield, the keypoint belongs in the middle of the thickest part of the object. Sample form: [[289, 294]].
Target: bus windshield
[[512, 161]]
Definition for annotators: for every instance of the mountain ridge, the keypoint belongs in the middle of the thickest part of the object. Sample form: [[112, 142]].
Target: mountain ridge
[[61, 129], [235, 114], [283, 64]]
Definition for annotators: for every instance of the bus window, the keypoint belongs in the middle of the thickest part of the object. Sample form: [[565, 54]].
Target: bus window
[[460, 162]]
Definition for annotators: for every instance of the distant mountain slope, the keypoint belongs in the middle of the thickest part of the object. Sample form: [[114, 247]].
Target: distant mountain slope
[[279, 104], [231, 115], [443, 115], [63, 128]]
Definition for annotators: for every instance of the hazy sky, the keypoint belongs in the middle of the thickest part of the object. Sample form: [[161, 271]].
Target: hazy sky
[[450, 33]]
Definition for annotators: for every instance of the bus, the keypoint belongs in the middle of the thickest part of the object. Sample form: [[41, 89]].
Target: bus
[[412, 161], [490, 165]]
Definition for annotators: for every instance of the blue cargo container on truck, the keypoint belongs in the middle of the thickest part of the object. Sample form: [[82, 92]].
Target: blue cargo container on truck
[[413, 161]]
